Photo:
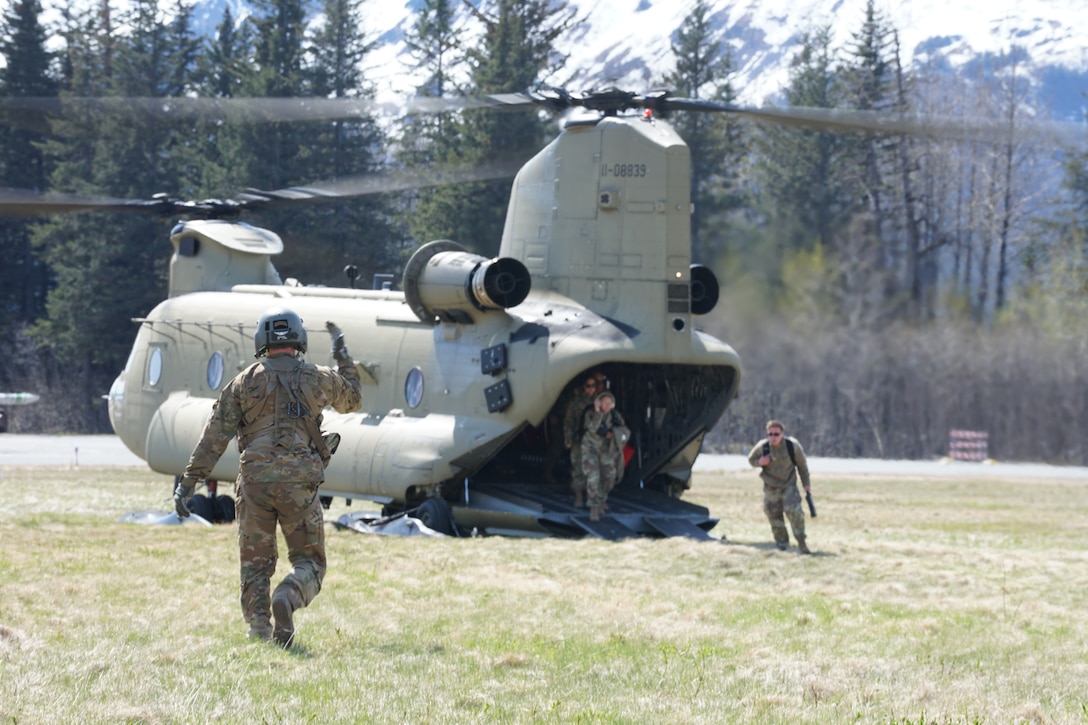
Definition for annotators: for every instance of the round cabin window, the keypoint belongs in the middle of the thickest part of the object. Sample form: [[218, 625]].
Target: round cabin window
[[215, 371], [154, 367], [413, 387]]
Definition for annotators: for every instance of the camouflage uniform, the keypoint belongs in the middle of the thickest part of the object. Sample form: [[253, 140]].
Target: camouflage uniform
[[602, 456], [780, 494], [573, 420], [281, 470]]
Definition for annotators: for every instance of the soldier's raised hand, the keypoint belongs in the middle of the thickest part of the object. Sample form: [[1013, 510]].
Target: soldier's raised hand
[[339, 347]]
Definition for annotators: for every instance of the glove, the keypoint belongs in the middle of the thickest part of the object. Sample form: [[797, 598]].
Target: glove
[[339, 349], [182, 493]]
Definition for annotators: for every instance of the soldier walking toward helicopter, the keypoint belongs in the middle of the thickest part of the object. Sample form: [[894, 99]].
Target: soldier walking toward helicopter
[[780, 459], [275, 407]]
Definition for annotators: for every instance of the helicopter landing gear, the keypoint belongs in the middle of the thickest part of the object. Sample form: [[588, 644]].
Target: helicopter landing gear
[[435, 514]]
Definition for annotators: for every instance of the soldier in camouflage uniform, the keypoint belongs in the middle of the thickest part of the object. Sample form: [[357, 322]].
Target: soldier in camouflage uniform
[[779, 474], [573, 419], [602, 452], [275, 408]]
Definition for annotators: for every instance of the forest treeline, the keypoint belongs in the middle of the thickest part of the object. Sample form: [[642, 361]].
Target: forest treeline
[[880, 289]]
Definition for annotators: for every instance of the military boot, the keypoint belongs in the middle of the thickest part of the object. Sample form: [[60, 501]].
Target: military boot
[[802, 547], [260, 630], [284, 603]]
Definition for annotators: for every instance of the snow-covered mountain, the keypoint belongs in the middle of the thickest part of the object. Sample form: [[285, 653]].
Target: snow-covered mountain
[[627, 42]]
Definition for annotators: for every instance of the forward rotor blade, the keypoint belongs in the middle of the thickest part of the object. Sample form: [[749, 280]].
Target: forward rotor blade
[[19, 202]]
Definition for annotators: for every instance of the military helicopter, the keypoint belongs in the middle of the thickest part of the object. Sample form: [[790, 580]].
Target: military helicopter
[[464, 364]]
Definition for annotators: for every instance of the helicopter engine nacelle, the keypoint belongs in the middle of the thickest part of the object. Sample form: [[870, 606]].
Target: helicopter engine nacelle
[[443, 282]]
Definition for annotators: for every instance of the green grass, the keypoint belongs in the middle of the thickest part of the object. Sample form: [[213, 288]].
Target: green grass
[[928, 601]]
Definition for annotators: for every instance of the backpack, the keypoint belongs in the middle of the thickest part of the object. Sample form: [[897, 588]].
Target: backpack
[[789, 449]]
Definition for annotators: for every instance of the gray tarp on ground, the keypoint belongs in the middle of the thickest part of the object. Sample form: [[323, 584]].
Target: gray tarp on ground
[[367, 522], [167, 518]]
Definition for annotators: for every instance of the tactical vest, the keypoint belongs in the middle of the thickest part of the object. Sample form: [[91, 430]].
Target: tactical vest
[[283, 408]]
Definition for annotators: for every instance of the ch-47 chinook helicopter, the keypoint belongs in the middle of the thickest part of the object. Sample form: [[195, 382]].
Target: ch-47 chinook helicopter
[[462, 367]]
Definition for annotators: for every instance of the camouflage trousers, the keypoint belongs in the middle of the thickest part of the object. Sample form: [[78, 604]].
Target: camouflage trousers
[[601, 469], [577, 472], [297, 510], [778, 500]]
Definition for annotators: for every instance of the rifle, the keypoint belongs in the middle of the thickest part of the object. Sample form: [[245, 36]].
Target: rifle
[[811, 503]]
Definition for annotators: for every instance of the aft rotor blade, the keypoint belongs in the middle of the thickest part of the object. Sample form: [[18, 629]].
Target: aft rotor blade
[[404, 179], [30, 111], [954, 128]]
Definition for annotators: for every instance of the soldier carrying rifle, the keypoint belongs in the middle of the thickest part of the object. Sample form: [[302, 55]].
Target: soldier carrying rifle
[[781, 458]]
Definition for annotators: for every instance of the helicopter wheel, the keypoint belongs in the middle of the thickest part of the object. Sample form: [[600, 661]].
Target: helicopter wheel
[[202, 506], [435, 514], [225, 508]]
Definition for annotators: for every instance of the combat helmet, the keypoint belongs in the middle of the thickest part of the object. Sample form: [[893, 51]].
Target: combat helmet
[[279, 326]]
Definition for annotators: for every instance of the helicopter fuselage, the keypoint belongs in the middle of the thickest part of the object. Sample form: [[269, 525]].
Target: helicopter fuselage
[[463, 369]]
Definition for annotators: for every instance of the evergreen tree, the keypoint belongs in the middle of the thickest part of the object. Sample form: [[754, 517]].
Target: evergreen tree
[[274, 55], [26, 74], [224, 66], [273, 152], [870, 80], [514, 54], [703, 70], [801, 173], [224, 61], [270, 154], [110, 268], [357, 230], [434, 43]]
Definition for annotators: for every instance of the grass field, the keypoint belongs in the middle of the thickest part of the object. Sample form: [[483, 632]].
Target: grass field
[[928, 601]]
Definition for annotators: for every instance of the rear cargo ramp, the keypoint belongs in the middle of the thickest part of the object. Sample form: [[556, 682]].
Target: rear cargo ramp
[[549, 510]]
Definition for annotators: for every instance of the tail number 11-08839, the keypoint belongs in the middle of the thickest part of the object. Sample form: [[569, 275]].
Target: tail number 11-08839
[[623, 171]]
